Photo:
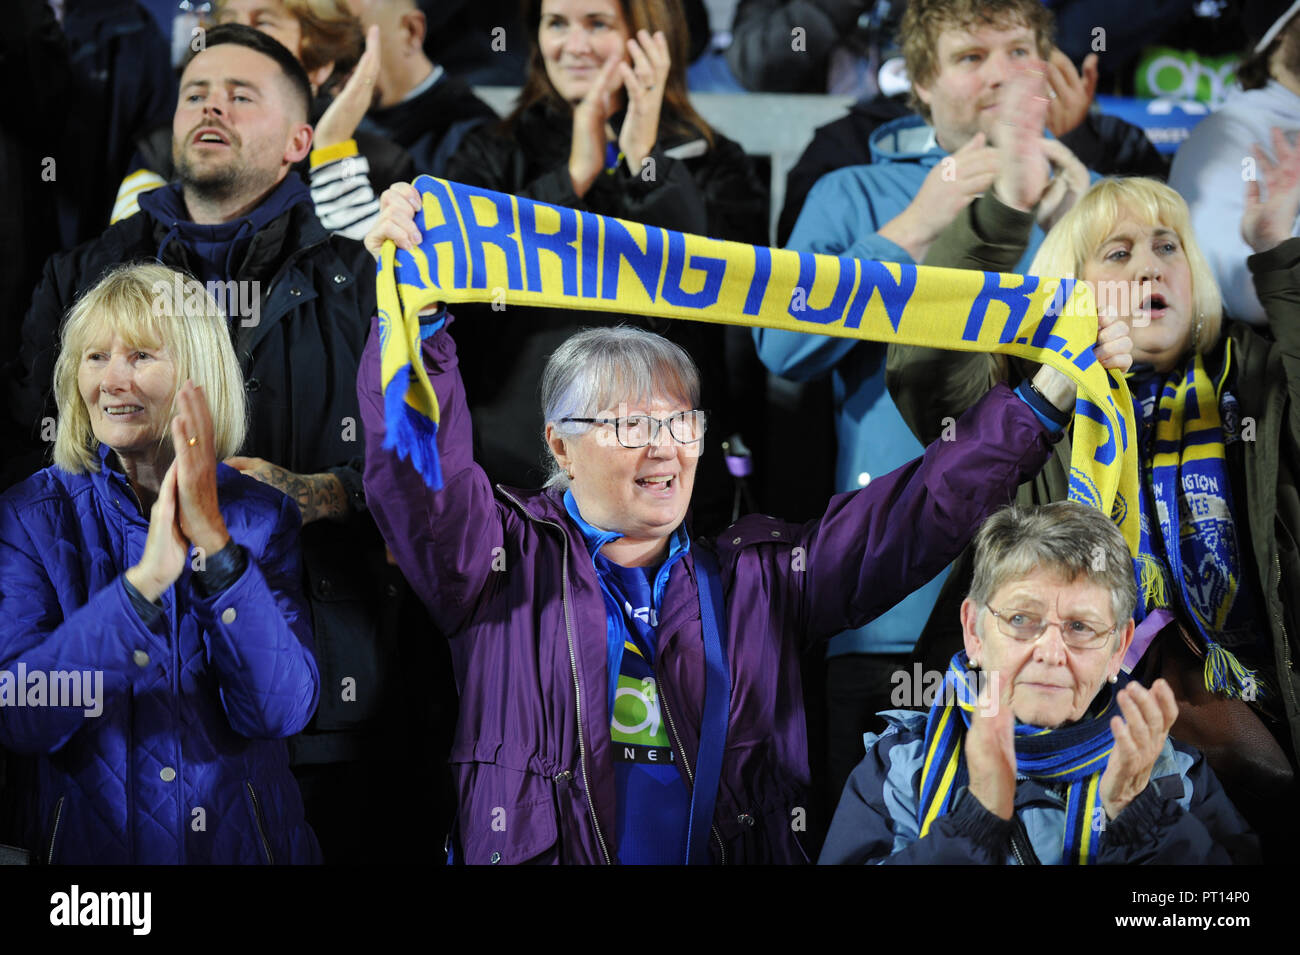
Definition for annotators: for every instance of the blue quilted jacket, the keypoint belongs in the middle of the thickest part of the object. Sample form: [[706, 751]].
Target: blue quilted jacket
[[185, 762]]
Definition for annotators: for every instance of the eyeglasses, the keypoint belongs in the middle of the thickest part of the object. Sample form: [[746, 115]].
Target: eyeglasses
[[1028, 627], [639, 430]]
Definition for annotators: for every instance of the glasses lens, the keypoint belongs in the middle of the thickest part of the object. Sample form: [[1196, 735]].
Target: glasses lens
[[1022, 626], [1078, 633], [687, 426], [634, 431]]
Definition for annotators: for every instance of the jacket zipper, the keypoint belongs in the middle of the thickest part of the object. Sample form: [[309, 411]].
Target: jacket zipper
[[54, 835], [686, 764], [573, 665], [1285, 678], [1017, 831], [261, 823]]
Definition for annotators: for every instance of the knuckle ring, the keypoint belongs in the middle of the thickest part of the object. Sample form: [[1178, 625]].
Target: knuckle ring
[[192, 442]]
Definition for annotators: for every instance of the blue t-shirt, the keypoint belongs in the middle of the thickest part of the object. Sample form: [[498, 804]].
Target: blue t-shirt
[[652, 799]]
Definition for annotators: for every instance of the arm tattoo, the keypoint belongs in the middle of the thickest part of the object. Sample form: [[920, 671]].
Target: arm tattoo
[[318, 495]]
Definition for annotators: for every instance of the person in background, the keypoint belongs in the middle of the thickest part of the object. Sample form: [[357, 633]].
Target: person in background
[[344, 164], [479, 41], [195, 664], [1219, 155], [604, 124], [416, 103]]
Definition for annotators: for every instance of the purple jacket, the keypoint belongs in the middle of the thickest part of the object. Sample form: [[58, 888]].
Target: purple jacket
[[505, 574]]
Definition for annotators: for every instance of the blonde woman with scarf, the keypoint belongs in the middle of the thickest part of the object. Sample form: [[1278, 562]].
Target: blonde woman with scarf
[[1218, 427]]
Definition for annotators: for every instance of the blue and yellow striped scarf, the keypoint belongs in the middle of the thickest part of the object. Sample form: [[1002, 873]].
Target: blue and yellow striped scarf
[[1190, 556], [484, 246], [1074, 754]]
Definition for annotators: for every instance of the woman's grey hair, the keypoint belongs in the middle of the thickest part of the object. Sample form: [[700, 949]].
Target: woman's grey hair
[[599, 368], [1067, 538]]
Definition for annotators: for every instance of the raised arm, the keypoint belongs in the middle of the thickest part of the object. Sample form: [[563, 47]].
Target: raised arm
[[876, 545], [1266, 226], [445, 541]]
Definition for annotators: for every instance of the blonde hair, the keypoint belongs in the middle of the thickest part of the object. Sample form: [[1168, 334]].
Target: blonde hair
[[1081, 231], [150, 306]]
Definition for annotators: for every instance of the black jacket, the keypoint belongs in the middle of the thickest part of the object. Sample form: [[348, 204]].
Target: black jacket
[[714, 192], [299, 361], [429, 126]]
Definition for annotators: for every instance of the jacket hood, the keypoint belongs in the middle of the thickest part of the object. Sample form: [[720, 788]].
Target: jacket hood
[[1272, 104], [220, 248], [907, 139]]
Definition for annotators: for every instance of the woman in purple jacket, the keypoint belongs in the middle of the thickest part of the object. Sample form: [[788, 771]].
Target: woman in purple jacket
[[156, 647], [611, 709]]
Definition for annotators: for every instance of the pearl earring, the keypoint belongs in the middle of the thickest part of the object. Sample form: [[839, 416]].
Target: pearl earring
[[1113, 678]]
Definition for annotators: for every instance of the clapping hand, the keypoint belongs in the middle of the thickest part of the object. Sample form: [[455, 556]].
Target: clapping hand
[[196, 471], [645, 81], [165, 549], [1139, 737], [1072, 92], [991, 748], [186, 508], [1034, 172], [341, 119], [1270, 220]]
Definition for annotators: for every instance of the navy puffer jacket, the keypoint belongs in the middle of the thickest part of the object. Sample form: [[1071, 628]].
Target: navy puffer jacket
[[185, 762]]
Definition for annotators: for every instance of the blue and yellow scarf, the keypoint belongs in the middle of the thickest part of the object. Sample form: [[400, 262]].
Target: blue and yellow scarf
[[484, 246], [1074, 754], [1189, 557]]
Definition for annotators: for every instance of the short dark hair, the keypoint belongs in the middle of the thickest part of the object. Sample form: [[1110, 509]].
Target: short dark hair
[[241, 35]]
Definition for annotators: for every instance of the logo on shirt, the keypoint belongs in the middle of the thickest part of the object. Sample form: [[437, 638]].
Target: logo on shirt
[[646, 615], [636, 713]]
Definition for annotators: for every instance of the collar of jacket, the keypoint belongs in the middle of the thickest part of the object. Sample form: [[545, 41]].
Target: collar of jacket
[[279, 239], [446, 101], [112, 486], [110, 483], [900, 140]]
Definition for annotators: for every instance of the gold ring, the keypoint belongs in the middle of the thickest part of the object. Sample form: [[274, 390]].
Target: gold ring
[[192, 442]]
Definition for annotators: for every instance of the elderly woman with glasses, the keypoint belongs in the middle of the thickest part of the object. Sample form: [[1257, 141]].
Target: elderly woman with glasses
[[629, 693], [1038, 749]]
